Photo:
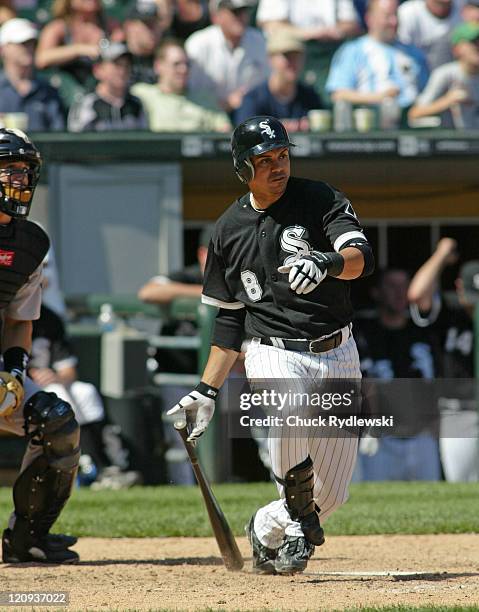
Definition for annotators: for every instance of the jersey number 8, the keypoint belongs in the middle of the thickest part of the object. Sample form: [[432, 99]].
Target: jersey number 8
[[251, 285]]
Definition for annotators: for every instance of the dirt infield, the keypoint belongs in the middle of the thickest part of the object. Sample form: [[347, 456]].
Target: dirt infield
[[187, 574]]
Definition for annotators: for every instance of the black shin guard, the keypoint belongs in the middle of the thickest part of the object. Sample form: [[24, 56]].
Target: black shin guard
[[43, 488], [298, 488]]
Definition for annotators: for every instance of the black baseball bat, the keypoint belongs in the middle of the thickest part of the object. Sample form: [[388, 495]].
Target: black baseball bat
[[224, 536]]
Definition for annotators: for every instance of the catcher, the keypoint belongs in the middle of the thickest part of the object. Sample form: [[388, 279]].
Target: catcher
[[50, 463]]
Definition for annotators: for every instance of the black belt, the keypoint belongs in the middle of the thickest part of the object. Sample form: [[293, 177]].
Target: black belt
[[304, 346]]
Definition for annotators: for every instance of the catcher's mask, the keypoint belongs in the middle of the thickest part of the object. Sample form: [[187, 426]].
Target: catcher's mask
[[17, 180], [255, 136]]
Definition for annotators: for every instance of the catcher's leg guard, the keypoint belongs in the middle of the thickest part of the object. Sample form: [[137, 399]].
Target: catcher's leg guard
[[298, 489], [43, 488]]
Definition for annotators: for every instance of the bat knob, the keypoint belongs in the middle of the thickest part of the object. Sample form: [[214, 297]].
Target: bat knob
[[179, 424]]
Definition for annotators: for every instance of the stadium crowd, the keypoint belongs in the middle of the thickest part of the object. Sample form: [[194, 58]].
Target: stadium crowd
[[199, 65]]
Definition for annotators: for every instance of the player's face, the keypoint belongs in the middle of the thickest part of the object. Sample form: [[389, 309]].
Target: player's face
[[393, 291], [14, 174], [14, 179], [271, 172]]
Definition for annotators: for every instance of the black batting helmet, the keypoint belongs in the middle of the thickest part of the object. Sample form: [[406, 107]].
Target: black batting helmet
[[16, 194], [253, 137]]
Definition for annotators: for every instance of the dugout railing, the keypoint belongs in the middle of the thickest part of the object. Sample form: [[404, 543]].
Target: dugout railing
[[116, 361]]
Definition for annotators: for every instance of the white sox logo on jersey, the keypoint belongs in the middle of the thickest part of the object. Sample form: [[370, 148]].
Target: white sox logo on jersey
[[292, 242], [266, 129]]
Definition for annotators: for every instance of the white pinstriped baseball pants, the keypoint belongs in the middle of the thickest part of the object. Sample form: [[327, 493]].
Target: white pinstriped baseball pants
[[333, 458]]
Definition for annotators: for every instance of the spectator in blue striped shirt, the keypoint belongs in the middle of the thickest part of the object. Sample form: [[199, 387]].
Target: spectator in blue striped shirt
[[377, 66]]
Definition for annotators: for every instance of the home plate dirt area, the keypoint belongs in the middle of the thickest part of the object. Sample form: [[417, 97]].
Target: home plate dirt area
[[188, 574]]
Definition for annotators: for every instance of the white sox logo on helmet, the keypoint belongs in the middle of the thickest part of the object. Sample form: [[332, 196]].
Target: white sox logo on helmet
[[266, 128]]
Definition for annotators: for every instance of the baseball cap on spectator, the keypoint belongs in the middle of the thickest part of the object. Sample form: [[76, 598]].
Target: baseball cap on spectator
[[17, 31], [469, 275], [111, 51], [233, 4], [465, 32], [284, 40], [143, 10]]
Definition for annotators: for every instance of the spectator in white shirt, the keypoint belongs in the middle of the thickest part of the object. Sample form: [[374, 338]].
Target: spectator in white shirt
[[427, 24], [228, 58], [322, 20]]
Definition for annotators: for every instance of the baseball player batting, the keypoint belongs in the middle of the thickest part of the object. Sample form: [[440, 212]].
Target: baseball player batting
[[278, 268]]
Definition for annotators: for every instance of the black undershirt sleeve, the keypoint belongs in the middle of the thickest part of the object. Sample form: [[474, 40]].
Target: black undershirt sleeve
[[229, 329]]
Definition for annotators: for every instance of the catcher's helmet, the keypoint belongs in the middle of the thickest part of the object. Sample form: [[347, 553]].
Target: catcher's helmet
[[16, 193], [253, 137]]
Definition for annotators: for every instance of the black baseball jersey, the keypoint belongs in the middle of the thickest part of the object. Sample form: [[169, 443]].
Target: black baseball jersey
[[248, 246], [385, 353], [449, 320], [404, 353], [457, 334], [23, 246]]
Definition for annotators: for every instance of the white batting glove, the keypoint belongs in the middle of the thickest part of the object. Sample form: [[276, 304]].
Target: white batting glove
[[305, 273], [200, 408]]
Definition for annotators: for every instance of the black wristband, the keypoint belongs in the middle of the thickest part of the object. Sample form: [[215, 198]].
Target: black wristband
[[332, 261], [15, 361], [336, 267], [207, 390]]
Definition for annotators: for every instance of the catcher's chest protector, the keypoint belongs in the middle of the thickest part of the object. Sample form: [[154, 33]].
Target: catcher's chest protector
[[23, 246]]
